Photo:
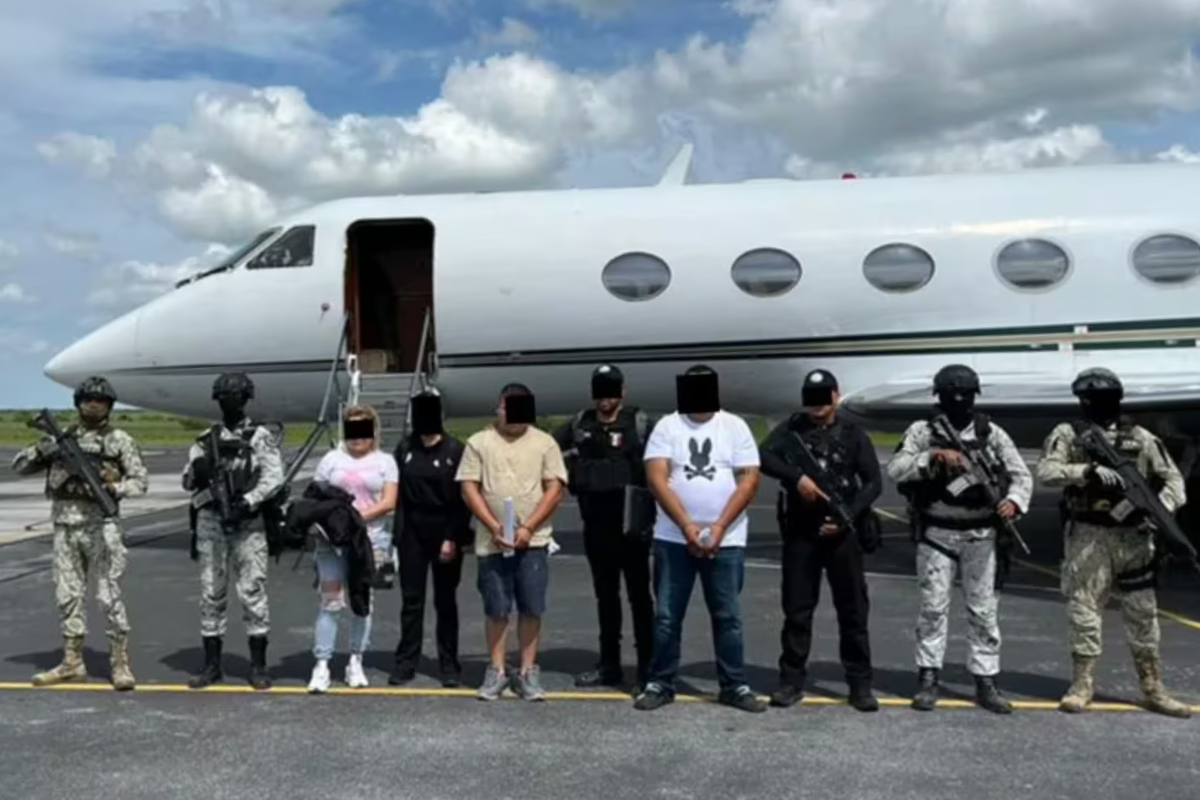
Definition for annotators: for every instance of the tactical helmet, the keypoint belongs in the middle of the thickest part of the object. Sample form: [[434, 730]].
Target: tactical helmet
[[956, 378], [1096, 379], [95, 387], [233, 384]]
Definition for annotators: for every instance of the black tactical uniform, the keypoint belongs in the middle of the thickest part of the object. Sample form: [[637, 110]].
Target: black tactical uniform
[[430, 513], [603, 457], [852, 471]]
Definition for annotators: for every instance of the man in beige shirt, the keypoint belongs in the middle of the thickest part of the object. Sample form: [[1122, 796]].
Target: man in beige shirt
[[512, 459]]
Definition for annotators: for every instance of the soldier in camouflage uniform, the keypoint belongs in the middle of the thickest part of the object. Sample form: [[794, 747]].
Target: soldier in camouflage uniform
[[84, 540], [1103, 553], [957, 527], [251, 455]]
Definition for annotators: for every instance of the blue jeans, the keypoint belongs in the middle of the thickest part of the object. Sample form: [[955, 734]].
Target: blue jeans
[[331, 573], [721, 579]]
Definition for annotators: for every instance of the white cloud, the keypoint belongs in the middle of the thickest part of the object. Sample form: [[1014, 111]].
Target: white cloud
[[71, 243], [13, 293], [592, 9], [8, 252], [1180, 154], [14, 342], [131, 283], [872, 86]]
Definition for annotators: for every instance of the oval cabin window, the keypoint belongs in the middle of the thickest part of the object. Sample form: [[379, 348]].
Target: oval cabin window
[[1032, 264], [1167, 258], [766, 272], [636, 276], [898, 268]]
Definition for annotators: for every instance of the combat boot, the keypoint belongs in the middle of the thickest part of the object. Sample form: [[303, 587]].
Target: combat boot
[[987, 694], [71, 668], [258, 663], [118, 655], [212, 664], [1149, 669], [927, 689], [1083, 685]]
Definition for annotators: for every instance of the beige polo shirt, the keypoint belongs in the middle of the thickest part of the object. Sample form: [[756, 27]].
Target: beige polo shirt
[[513, 469]]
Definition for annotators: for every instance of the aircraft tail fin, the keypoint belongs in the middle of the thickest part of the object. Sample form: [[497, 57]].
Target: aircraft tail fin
[[677, 171]]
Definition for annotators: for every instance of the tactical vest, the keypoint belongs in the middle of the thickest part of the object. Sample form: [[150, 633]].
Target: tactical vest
[[940, 488], [1092, 502], [61, 485], [833, 453], [606, 461], [237, 456]]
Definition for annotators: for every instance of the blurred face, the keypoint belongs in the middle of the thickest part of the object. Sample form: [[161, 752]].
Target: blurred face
[[826, 410], [503, 426], [93, 410], [359, 446], [609, 405]]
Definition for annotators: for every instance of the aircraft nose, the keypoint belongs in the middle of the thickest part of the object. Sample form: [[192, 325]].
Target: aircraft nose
[[112, 347]]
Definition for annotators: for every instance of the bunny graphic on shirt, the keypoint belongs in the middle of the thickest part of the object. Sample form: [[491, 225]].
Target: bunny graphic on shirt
[[700, 458]]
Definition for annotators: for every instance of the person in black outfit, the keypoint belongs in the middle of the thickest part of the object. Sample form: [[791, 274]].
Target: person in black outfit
[[813, 540], [603, 449], [431, 530]]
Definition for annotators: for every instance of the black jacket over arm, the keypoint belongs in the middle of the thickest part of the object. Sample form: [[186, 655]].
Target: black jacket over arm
[[332, 510]]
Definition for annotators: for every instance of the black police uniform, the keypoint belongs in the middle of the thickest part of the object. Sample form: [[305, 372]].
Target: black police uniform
[[848, 455], [603, 458], [431, 512]]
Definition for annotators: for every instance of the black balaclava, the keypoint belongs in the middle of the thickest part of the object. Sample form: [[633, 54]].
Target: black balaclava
[[958, 406], [1102, 406], [233, 409]]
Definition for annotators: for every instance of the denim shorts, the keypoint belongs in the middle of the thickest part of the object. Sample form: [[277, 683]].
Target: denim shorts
[[522, 577]]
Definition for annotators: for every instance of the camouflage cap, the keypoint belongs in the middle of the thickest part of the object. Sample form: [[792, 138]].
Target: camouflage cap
[[95, 388]]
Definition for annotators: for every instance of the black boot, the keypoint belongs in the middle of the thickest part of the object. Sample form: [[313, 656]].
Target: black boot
[[258, 663], [927, 689], [603, 675], [212, 664], [862, 698], [987, 694]]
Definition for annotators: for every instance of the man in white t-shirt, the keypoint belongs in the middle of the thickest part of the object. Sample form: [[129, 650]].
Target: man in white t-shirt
[[702, 466]]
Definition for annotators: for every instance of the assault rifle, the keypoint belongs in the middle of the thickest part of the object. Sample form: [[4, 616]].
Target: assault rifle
[[1139, 492], [220, 482], [820, 476], [77, 463], [979, 469]]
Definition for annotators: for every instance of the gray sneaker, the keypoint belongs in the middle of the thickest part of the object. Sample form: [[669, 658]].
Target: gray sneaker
[[493, 685], [528, 684]]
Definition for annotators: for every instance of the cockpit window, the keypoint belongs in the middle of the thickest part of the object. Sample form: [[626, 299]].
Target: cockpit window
[[233, 258], [293, 249]]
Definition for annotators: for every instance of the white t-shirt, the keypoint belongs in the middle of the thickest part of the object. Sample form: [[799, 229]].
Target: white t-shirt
[[364, 478], [703, 457]]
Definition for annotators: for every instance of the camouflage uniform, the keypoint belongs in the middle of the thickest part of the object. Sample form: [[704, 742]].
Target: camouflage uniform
[[235, 546], [956, 527], [85, 541], [1100, 555]]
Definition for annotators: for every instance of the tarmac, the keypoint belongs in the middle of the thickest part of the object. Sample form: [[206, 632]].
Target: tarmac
[[424, 741]]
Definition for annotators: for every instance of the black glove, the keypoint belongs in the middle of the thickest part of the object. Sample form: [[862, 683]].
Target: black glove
[[870, 532]]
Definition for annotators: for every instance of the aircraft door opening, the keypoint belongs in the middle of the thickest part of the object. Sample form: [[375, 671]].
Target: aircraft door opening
[[389, 291]]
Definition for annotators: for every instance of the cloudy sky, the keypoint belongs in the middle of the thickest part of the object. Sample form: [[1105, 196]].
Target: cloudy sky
[[140, 137]]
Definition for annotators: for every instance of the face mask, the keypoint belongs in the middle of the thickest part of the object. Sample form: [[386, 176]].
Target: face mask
[[957, 405], [1102, 407], [231, 407]]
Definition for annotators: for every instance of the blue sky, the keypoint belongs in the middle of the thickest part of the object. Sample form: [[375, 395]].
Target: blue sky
[[137, 138]]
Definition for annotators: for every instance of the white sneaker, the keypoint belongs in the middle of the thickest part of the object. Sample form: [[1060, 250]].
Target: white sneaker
[[355, 677], [319, 683]]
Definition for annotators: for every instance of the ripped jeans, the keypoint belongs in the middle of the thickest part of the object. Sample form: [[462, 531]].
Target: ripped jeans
[[331, 586]]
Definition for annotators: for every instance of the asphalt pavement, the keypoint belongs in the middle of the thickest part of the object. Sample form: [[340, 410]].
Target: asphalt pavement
[[422, 741]]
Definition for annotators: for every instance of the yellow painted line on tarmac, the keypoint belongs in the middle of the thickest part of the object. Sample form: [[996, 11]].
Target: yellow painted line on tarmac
[[380, 691], [1053, 573]]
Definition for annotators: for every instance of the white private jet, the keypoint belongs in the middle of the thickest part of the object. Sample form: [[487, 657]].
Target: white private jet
[[1028, 277]]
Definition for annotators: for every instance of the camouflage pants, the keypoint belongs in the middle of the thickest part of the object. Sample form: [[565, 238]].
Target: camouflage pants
[[80, 549], [1094, 556], [245, 551], [935, 571]]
